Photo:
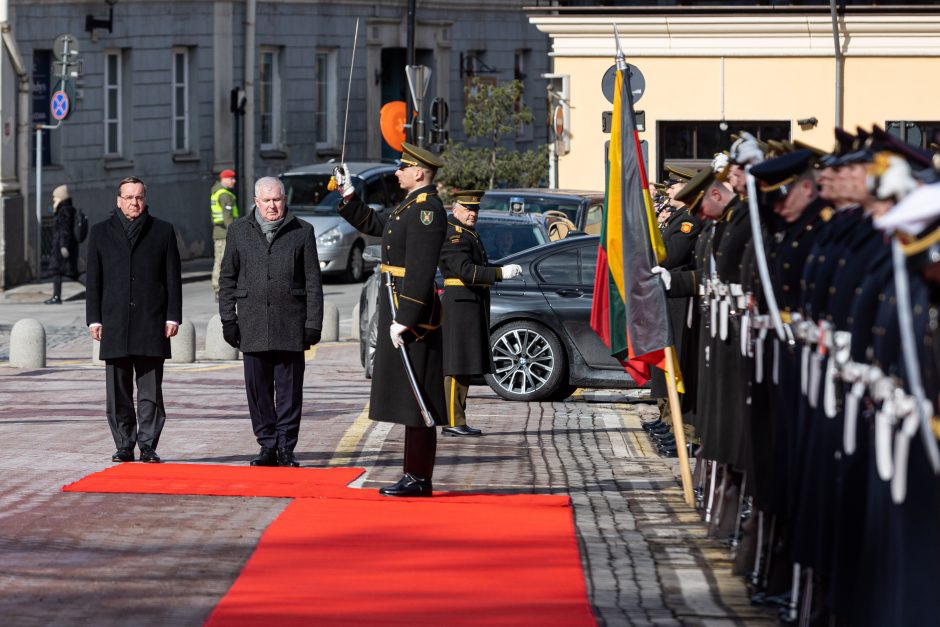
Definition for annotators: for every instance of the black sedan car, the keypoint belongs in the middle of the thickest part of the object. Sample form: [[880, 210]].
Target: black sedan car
[[540, 332]]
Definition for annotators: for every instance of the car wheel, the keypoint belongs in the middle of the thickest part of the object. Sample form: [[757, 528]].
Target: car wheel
[[371, 341], [530, 363], [355, 265]]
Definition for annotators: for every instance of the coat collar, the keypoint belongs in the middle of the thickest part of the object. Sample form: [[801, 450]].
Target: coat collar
[[117, 227]]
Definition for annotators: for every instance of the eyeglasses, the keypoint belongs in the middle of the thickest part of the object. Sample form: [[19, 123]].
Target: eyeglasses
[[130, 198]]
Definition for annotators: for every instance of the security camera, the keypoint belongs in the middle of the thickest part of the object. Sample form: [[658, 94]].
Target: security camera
[[808, 122]]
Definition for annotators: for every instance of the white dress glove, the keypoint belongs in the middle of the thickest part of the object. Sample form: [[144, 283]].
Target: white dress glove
[[664, 275], [343, 180], [511, 271], [64, 252], [395, 332]]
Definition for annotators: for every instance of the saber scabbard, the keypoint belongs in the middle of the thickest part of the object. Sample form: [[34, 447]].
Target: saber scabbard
[[406, 361]]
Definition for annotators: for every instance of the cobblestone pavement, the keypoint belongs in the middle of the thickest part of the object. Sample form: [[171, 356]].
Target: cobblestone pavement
[[95, 559]]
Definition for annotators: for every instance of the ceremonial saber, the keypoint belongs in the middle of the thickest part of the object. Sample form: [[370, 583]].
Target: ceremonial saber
[[909, 352], [352, 64], [761, 257], [332, 185], [409, 370]]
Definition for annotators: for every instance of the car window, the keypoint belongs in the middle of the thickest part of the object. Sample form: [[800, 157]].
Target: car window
[[588, 264], [309, 192], [501, 239], [528, 203], [560, 268], [375, 192], [593, 219], [395, 193]]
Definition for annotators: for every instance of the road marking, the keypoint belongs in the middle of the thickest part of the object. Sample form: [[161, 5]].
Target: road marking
[[346, 449], [372, 447]]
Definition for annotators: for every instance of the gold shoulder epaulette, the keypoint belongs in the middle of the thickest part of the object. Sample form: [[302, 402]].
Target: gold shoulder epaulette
[[459, 229], [826, 213], [421, 197]]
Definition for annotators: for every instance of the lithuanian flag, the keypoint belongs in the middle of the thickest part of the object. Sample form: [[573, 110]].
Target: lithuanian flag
[[629, 310]]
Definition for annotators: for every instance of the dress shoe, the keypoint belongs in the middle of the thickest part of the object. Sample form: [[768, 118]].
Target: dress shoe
[[267, 457], [285, 457], [149, 456], [123, 455], [408, 485], [661, 429], [652, 424], [462, 430], [667, 438], [55, 300]]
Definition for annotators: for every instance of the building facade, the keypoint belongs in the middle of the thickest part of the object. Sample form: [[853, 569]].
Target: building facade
[[154, 95], [783, 70]]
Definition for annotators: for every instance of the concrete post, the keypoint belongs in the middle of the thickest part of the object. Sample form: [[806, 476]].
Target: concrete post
[[28, 344], [183, 344], [330, 332], [354, 323], [216, 346]]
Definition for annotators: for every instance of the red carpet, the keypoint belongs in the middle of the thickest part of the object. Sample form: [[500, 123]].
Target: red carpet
[[352, 557]]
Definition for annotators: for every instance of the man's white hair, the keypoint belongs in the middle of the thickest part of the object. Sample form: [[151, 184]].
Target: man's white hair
[[269, 181]]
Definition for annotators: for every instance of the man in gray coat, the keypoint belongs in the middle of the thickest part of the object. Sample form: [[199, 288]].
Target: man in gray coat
[[271, 305]]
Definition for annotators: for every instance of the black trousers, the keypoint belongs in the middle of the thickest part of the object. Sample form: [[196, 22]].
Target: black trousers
[[420, 449], [274, 382], [144, 427], [57, 282]]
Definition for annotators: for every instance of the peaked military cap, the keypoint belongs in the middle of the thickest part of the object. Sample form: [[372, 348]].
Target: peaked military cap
[[775, 174], [695, 189], [861, 150], [412, 155], [683, 174], [917, 158], [469, 198]]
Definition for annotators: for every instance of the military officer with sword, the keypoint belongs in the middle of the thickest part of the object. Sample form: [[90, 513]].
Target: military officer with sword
[[408, 384]]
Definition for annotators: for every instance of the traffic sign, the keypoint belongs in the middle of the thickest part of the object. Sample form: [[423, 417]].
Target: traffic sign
[[60, 105], [637, 82], [65, 46]]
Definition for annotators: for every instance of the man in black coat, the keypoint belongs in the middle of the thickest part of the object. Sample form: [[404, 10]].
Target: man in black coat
[[63, 260], [271, 305], [133, 306], [467, 280], [412, 236]]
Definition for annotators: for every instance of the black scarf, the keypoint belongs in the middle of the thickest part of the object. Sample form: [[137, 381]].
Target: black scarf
[[132, 227]]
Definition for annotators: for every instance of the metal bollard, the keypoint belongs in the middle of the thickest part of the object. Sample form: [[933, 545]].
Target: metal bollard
[[28, 344], [330, 331], [183, 344], [217, 349]]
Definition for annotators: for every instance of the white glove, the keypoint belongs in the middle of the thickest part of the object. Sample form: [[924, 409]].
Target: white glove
[[395, 332], [511, 271], [343, 180], [664, 275], [720, 162], [746, 150], [64, 252]]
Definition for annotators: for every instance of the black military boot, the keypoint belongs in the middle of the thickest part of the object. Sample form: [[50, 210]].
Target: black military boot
[[408, 485]]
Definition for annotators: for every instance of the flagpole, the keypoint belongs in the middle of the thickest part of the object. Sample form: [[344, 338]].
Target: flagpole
[[678, 428]]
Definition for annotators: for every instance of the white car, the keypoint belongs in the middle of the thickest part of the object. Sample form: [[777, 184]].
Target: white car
[[339, 245]]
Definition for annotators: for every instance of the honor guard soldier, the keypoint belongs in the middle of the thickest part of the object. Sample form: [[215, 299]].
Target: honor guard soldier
[[467, 280], [412, 236]]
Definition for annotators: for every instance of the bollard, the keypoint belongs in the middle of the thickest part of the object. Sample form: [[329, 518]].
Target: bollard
[[28, 344], [183, 344], [354, 323], [217, 349], [330, 331]]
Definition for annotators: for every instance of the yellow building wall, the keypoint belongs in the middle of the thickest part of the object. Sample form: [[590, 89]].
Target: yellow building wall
[[771, 89]]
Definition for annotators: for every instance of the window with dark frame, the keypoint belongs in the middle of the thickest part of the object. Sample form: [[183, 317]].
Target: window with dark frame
[[923, 135], [693, 144]]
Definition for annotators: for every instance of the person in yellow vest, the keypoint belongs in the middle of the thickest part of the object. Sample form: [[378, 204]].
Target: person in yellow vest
[[224, 211]]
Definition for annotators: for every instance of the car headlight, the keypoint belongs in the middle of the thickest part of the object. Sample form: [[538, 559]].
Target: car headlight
[[330, 238]]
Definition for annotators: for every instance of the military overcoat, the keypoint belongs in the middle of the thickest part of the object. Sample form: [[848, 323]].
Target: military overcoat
[[467, 280], [412, 236]]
